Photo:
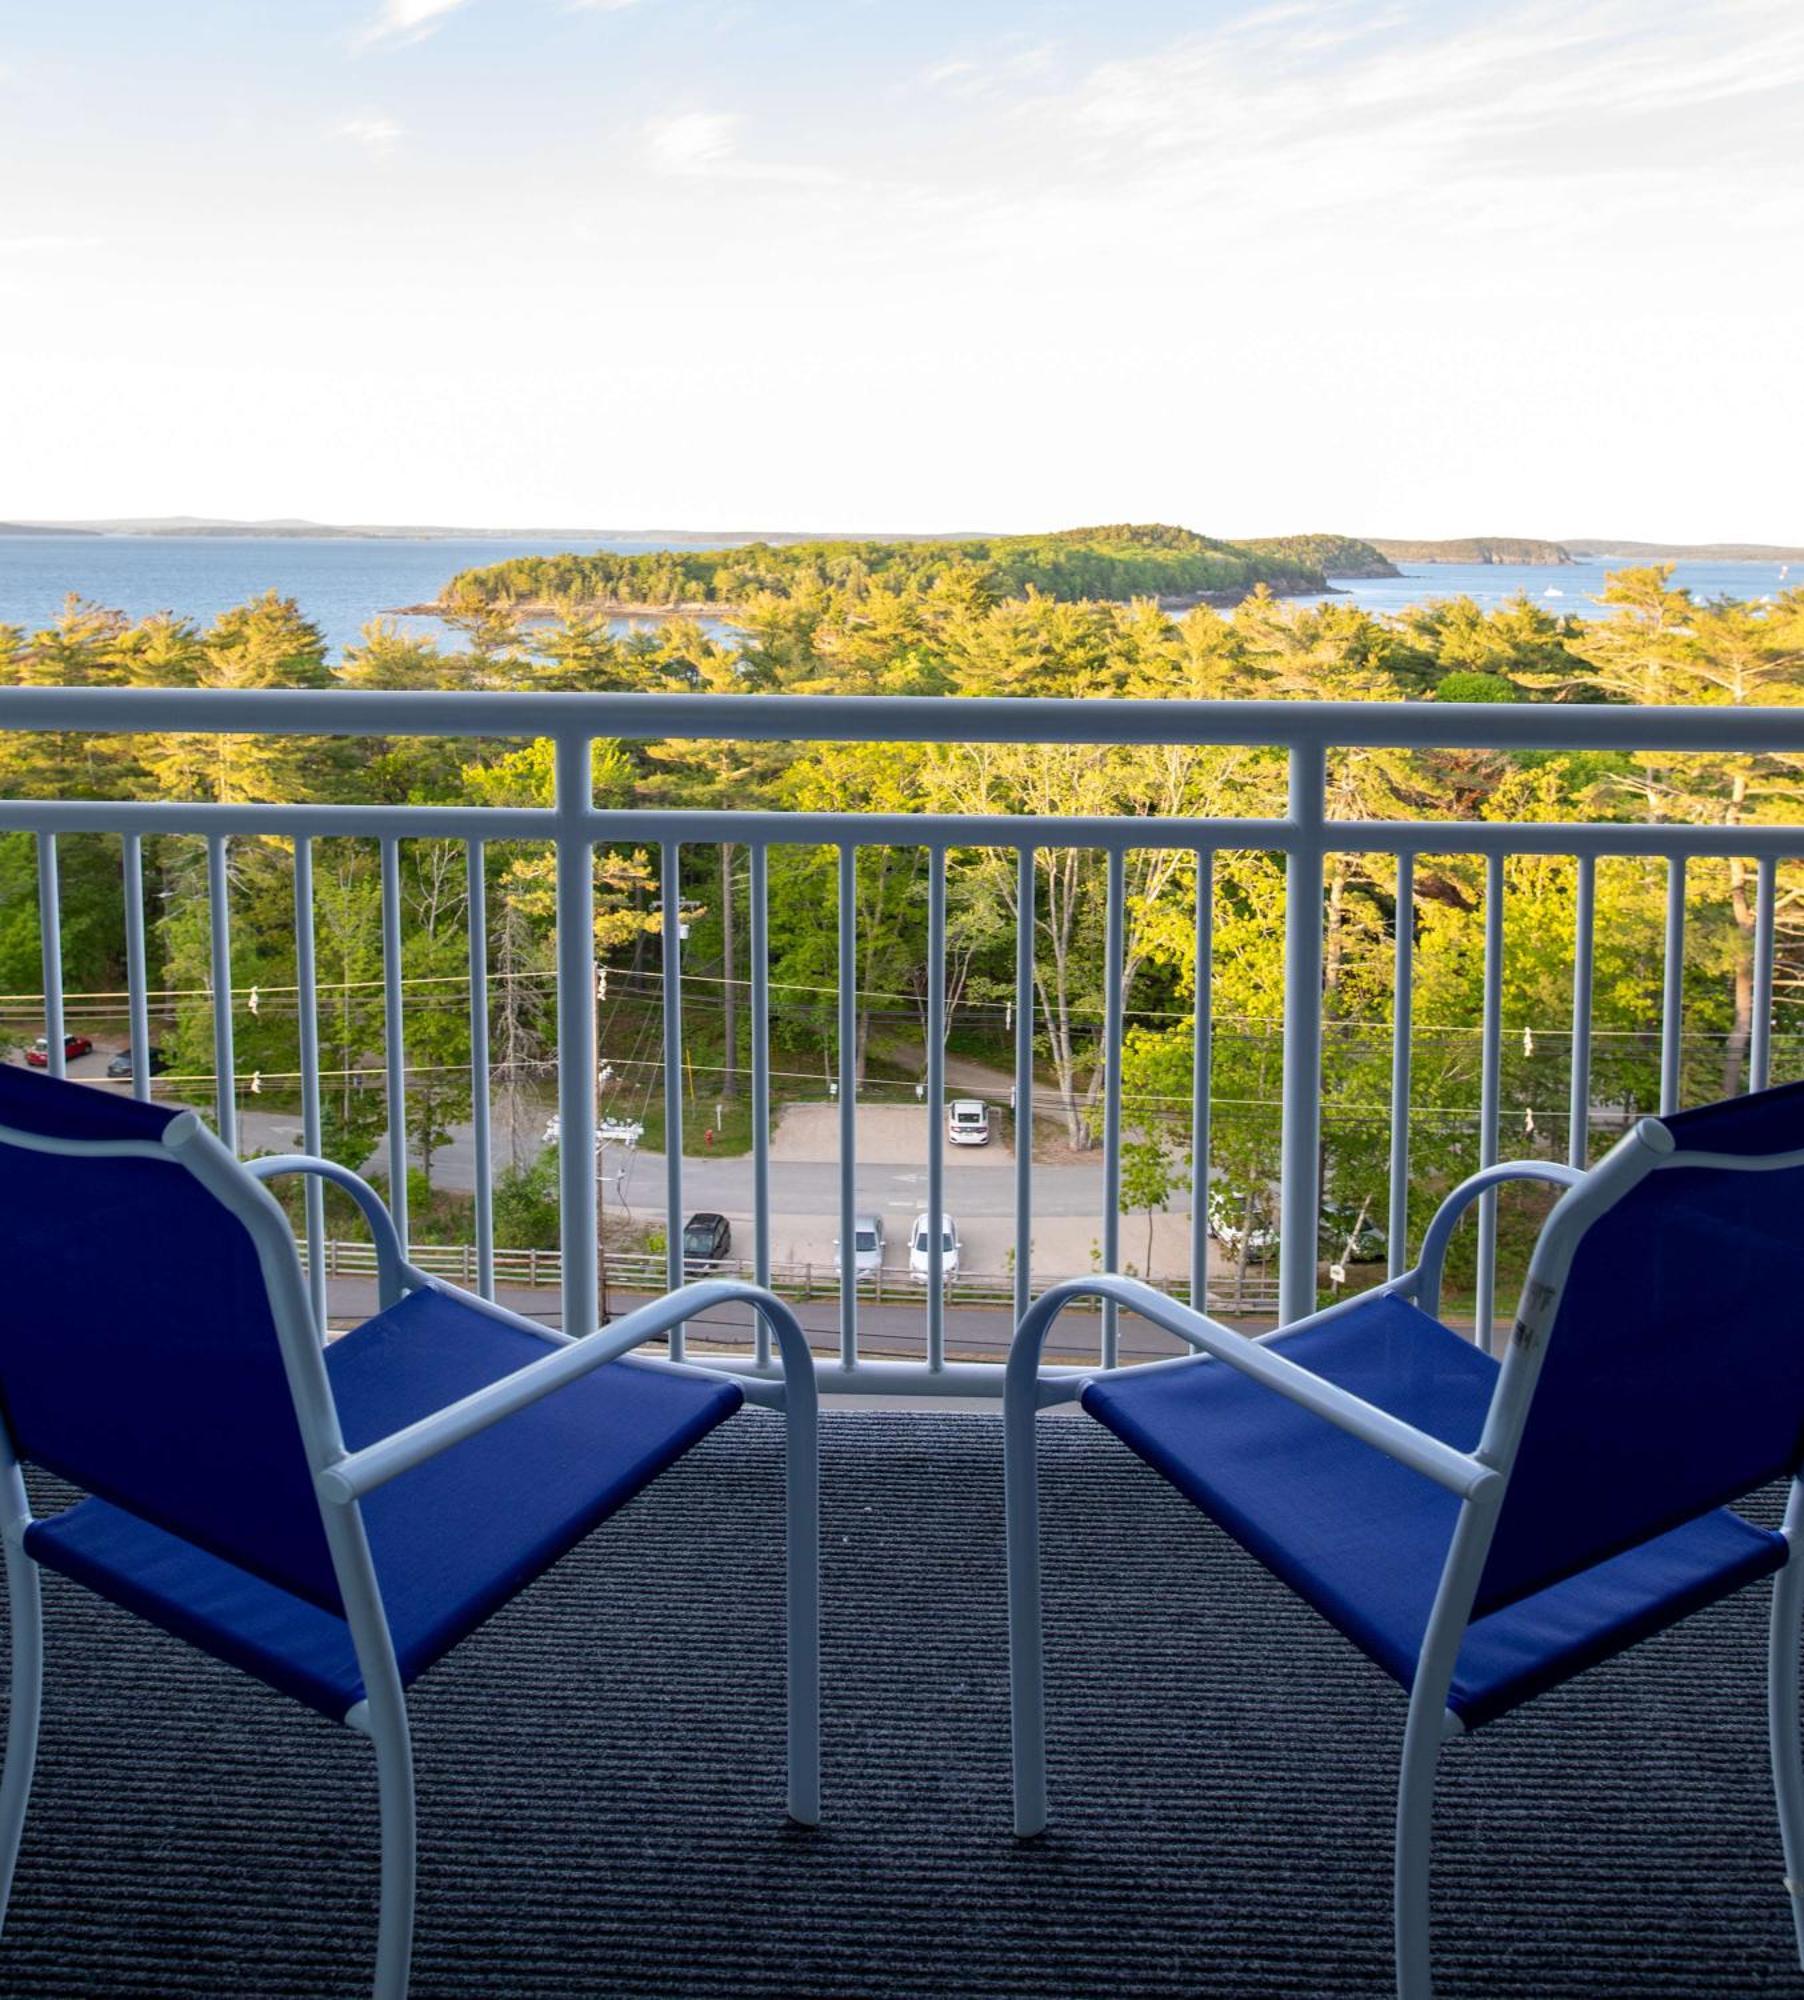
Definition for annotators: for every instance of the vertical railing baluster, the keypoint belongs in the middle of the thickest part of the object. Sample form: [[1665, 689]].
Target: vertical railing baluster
[[936, 1103], [394, 1030], [1672, 1001], [306, 980], [1113, 1033], [219, 919], [137, 976], [1489, 1098], [1202, 1064], [1584, 919], [1402, 1043], [670, 892], [50, 940], [481, 1109], [1760, 1046], [1301, 1145], [1024, 1078], [760, 899], [577, 1207], [848, 1103]]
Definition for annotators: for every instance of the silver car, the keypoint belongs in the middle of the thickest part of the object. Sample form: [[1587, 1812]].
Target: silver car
[[867, 1247], [920, 1250]]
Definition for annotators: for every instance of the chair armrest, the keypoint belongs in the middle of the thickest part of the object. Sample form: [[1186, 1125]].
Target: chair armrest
[[362, 1471], [1419, 1450], [1447, 1217], [391, 1267]]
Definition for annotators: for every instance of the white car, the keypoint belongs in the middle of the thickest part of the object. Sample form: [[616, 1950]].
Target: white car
[[920, 1248], [968, 1122], [867, 1247]]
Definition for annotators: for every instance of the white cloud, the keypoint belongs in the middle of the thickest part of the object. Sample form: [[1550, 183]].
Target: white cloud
[[600, 6], [691, 142], [1011, 64], [406, 20], [372, 130], [1353, 105], [46, 245]]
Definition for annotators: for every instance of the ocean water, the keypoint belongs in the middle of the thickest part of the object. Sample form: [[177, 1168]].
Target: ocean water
[[342, 584], [1562, 587]]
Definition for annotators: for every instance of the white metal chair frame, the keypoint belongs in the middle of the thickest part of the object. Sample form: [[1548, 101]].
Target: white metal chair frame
[[341, 1479], [1479, 1478]]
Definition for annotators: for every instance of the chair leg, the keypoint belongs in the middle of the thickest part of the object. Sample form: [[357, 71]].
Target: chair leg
[[1784, 1732], [802, 1538], [394, 1790], [26, 1616], [1026, 1641], [1415, 1830]]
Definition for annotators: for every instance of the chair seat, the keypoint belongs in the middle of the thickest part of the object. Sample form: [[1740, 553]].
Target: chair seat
[[1363, 1539], [451, 1540]]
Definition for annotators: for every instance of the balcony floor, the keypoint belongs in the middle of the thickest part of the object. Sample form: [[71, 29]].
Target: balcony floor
[[600, 1776]]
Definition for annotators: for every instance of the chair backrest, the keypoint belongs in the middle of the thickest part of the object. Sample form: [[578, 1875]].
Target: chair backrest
[[1673, 1379], [139, 1356]]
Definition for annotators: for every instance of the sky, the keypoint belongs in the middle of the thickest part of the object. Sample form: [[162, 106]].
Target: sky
[[1524, 268]]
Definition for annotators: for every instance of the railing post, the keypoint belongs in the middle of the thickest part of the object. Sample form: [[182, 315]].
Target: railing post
[[1402, 1002], [1300, 1156], [936, 1106], [50, 937], [476, 881], [1024, 1078], [137, 999], [576, 1037], [1114, 1032], [225, 1082], [394, 1034], [306, 973], [1584, 920], [1760, 1047], [758, 888]]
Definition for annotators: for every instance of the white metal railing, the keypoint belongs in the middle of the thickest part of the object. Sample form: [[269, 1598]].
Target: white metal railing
[[573, 826]]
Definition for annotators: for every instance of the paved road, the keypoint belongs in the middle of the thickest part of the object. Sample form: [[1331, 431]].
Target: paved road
[[979, 1185], [978, 1182], [884, 1332]]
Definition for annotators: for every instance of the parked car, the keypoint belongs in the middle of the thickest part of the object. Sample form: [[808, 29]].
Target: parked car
[[1350, 1236], [920, 1248], [1229, 1221], [121, 1064], [38, 1055], [867, 1247], [1344, 1235], [707, 1237], [968, 1122]]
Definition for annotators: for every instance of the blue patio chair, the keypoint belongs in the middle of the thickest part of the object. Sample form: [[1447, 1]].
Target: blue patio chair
[[331, 1519], [1484, 1531]]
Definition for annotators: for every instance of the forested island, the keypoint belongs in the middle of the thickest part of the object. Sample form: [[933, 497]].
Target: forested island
[[1474, 549], [1333, 555], [1591, 548], [1175, 566]]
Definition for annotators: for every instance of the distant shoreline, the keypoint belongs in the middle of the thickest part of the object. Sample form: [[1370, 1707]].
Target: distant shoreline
[[1429, 552]]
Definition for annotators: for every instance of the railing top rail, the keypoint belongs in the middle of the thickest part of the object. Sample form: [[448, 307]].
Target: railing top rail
[[903, 719], [705, 825]]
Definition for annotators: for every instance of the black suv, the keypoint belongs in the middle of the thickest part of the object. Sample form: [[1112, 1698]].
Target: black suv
[[121, 1064], [707, 1237]]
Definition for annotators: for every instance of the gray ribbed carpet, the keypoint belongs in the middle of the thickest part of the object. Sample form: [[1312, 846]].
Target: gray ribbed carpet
[[600, 1779]]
